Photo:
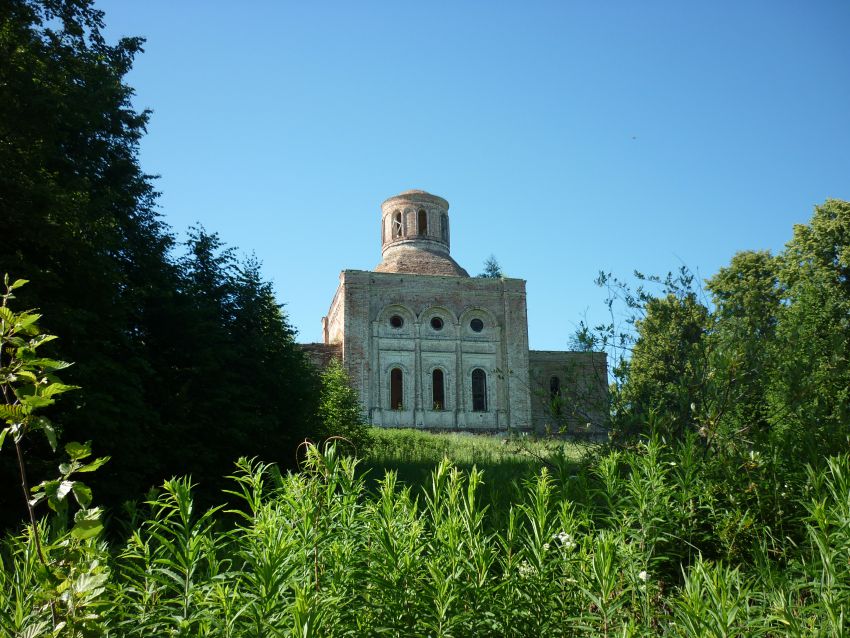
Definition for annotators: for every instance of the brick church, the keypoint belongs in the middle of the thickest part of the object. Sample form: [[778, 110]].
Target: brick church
[[428, 346]]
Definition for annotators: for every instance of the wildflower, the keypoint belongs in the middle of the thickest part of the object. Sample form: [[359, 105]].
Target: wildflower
[[565, 540], [545, 547], [525, 570], [642, 575]]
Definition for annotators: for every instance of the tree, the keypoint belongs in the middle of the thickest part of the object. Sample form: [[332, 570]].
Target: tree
[[340, 410], [748, 304], [810, 389], [241, 386], [492, 269], [78, 216], [668, 369], [185, 364]]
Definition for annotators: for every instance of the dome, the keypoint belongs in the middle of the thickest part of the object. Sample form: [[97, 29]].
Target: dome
[[419, 261], [415, 235]]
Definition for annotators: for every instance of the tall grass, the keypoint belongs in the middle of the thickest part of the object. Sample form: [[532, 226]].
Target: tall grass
[[507, 462], [631, 550]]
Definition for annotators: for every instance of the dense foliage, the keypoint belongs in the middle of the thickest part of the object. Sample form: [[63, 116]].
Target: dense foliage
[[184, 364], [763, 360], [340, 411], [615, 551]]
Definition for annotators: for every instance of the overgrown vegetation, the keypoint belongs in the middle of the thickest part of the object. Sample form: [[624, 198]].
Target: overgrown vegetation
[[185, 360], [621, 550], [721, 507], [760, 359]]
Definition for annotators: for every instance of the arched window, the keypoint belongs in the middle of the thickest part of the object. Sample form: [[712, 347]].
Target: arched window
[[423, 222], [479, 390], [397, 227], [396, 389], [438, 390], [444, 227]]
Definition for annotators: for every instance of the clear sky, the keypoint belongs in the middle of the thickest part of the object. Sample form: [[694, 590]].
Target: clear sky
[[568, 137]]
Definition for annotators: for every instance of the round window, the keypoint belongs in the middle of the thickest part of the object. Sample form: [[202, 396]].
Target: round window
[[436, 323], [396, 321], [477, 325]]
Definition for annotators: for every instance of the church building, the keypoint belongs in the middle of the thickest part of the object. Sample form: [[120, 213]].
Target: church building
[[428, 346]]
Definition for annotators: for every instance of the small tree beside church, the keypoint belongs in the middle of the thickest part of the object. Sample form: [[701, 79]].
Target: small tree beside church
[[340, 411]]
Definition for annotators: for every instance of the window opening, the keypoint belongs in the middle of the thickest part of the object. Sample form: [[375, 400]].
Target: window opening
[[396, 322], [444, 227], [436, 323], [477, 325], [396, 224], [438, 390], [396, 389], [423, 223], [555, 394], [479, 390]]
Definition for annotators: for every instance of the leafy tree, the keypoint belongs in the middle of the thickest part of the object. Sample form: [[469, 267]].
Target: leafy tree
[[492, 269], [668, 368], [748, 305], [340, 410], [184, 364], [767, 365], [79, 219], [242, 386], [811, 387]]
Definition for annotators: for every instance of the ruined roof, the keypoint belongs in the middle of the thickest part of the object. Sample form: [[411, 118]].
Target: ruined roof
[[419, 261], [418, 196]]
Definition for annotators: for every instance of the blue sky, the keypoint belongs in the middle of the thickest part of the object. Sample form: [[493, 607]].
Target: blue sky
[[567, 137]]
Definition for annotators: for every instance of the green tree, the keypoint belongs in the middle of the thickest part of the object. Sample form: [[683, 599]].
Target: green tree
[[79, 220], [668, 369], [184, 364], [810, 392], [242, 386], [340, 410], [748, 304], [492, 269]]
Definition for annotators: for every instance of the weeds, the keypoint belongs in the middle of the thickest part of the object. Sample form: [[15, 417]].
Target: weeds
[[317, 554]]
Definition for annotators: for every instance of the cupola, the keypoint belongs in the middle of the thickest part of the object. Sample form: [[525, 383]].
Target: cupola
[[415, 235]]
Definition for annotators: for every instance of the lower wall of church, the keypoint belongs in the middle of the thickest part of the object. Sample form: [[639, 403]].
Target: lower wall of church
[[440, 419]]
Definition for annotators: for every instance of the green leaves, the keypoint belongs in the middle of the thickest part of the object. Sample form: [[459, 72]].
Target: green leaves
[[87, 523], [16, 284], [340, 410], [78, 451], [12, 413], [69, 580], [56, 491]]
